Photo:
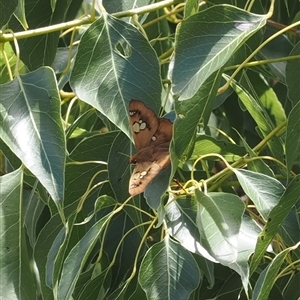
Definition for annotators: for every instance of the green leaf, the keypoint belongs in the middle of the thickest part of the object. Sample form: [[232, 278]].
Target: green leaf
[[191, 113], [181, 222], [257, 165], [219, 224], [44, 242], [265, 96], [39, 50], [94, 288], [76, 259], [119, 167], [33, 207], [20, 13], [87, 160], [260, 116], [206, 41], [292, 140], [17, 279], [114, 64], [7, 9], [269, 275], [190, 8], [168, 271], [276, 217], [263, 190], [30, 124], [206, 145], [292, 75]]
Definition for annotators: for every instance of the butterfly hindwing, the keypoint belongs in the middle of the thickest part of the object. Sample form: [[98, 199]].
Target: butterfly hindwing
[[142, 175]]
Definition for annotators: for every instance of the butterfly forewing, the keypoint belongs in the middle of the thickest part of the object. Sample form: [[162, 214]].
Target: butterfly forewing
[[143, 123]]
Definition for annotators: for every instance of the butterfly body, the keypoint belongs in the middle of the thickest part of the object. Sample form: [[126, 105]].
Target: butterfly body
[[152, 136]]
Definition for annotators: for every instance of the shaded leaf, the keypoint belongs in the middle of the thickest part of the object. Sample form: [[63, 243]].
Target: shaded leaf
[[192, 112], [7, 9], [276, 217], [260, 116], [292, 140], [168, 271], [76, 259], [292, 75], [17, 279], [268, 276]]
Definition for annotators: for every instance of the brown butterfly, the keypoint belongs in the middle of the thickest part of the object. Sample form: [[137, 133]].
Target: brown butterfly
[[152, 136]]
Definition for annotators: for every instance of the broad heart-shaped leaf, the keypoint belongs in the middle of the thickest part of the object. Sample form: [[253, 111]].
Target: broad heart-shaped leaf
[[17, 279], [168, 271], [276, 217], [219, 224], [206, 41], [292, 140], [114, 64], [263, 190], [30, 124]]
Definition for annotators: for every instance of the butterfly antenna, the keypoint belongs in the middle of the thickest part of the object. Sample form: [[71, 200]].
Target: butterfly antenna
[[124, 154]]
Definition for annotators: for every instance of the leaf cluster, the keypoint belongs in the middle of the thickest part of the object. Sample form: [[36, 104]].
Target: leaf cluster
[[222, 221]]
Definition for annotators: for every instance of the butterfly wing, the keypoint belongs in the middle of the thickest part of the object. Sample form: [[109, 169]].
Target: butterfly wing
[[142, 175], [157, 149], [152, 138], [143, 122]]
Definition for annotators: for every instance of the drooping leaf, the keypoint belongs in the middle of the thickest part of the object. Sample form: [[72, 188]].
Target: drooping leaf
[[219, 224], [292, 73], [292, 140]]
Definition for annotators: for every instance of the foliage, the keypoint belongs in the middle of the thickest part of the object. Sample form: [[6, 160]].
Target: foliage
[[228, 76]]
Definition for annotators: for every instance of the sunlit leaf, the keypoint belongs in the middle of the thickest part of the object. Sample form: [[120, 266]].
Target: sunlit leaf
[[204, 43], [115, 64], [30, 124]]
